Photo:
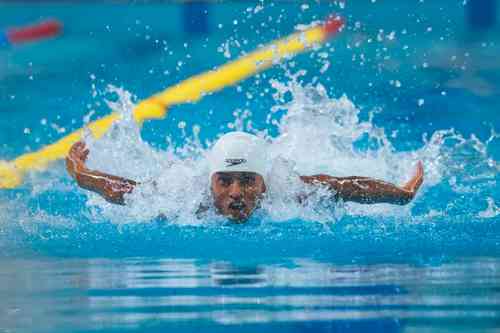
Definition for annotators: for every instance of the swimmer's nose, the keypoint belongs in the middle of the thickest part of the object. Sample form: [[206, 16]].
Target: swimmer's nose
[[235, 191]]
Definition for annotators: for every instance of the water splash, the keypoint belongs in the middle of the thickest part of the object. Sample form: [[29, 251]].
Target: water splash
[[315, 134], [492, 211], [308, 132]]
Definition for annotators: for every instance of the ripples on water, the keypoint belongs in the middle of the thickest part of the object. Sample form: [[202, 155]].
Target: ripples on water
[[297, 294]]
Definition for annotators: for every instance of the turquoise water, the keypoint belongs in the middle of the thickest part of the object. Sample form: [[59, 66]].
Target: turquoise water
[[404, 82]]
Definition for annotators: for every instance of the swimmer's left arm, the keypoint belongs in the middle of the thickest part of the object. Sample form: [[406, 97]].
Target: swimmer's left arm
[[370, 191]]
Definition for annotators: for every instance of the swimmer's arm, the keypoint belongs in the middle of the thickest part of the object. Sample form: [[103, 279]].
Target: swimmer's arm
[[112, 188], [370, 191]]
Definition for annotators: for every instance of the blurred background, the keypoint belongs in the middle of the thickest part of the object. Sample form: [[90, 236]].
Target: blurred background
[[435, 62]]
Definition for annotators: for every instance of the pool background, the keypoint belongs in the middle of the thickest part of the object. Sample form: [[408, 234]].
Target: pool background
[[64, 271]]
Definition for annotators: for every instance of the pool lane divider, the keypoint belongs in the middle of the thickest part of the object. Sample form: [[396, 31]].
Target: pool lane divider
[[187, 91], [30, 33]]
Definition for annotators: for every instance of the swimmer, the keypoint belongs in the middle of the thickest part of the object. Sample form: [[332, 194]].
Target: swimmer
[[238, 179]]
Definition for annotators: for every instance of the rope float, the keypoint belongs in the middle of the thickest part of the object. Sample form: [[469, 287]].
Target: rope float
[[31, 33]]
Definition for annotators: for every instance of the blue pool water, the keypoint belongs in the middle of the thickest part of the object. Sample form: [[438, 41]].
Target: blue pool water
[[404, 82]]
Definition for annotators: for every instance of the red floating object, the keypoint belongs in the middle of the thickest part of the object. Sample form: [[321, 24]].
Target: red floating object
[[34, 32], [333, 25]]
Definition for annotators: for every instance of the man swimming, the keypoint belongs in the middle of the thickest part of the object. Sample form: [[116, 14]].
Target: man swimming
[[238, 179]]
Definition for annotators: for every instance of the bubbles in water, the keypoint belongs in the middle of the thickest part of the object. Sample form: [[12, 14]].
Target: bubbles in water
[[492, 211]]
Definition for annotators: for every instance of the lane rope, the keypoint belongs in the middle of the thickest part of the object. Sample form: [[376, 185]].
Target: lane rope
[[30, 33], [187, 91]]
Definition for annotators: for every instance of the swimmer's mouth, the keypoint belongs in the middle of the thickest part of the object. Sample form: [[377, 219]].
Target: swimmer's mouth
[[237, 205]]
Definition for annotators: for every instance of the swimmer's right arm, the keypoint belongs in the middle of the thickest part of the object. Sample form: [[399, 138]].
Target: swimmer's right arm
[[112, 188], [368, 190]]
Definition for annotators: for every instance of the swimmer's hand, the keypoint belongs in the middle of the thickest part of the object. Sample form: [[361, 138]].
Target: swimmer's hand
[[414, 184], [370, 191], [75, 161], [112, 188]]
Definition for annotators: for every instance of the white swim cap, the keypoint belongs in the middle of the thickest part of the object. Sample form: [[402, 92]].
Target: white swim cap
[[238, 152]]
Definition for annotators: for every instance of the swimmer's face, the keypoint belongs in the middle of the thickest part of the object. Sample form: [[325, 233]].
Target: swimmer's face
[[237, 194]]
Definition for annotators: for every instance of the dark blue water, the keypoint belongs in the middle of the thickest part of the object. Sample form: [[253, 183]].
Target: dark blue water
[[426, 85], [151, 294]]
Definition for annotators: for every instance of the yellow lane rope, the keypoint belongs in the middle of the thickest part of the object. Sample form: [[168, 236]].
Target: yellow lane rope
[[190, 90]]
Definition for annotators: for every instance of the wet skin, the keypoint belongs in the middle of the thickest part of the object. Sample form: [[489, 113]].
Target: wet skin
[[237, 194]]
